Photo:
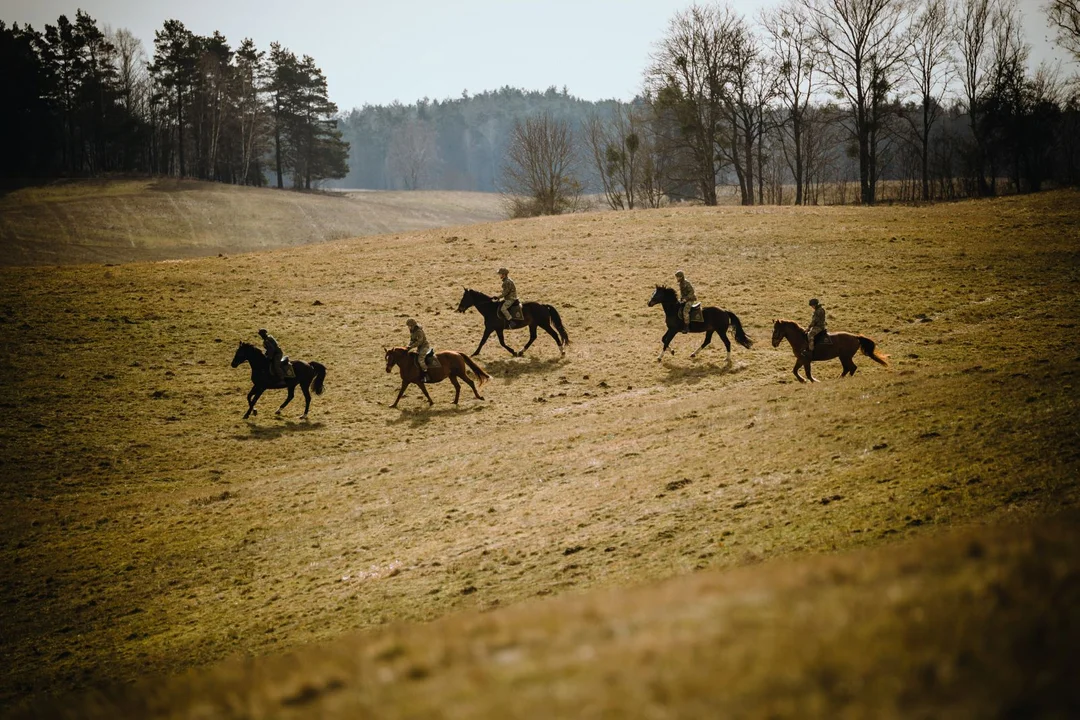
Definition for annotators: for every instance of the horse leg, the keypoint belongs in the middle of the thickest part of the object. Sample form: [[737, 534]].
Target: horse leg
[[307, 400], [727, 343], [471, 384], [288, 398], [404, 384], [795, 370], [423, 389], [849, 366], [251, 403], [708, 339], [667, 341], [555, 335], [457, 388], [502, 341], [809, 374], [532, 339], [487, 334]]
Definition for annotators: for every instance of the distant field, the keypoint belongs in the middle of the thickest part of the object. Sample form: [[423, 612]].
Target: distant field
[[114, 221], [604, 535]]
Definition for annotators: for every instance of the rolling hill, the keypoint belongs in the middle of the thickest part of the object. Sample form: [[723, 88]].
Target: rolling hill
[[116, 221], [604, 534]]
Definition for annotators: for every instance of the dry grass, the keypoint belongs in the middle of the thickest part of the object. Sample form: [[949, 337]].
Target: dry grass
[[148, 530], [117, 221]]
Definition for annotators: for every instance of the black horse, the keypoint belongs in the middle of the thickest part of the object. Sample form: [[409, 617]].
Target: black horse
[[535, 314], [713, 320], [262, 380]]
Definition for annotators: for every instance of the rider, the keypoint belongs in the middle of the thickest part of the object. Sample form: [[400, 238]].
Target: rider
[[509, 294], [273, 354], [688, 298], [418, 341], [816, 327]]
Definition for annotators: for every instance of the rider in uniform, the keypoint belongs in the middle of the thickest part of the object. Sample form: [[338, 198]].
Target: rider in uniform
[[816, 327], [509, 294], [273, 354], [418, 341], [688, 298]]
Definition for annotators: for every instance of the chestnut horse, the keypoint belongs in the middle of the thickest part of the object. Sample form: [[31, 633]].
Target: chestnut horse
[[451, 365], [843, 345]]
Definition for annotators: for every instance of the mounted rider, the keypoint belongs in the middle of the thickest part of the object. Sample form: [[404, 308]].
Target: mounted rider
[[688, 298], [509, 295], [273, 354], [418, 344], [816, 328]]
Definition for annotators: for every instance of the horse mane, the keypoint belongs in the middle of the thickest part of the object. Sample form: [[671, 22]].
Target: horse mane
[[784, 321], [478, 294], [253, 346]]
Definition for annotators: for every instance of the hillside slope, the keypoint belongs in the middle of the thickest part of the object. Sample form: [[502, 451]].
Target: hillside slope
[[115, 221], [148, 529]]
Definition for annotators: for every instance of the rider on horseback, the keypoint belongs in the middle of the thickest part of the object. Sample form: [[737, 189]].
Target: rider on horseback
[[688, 298], [509, 294], [273, 354], [816, 328], [418, 341]]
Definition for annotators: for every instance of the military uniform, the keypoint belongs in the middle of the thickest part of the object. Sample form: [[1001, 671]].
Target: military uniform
[[273, 354], [418, 341], [509, 295], [817, 325], [688, 297]]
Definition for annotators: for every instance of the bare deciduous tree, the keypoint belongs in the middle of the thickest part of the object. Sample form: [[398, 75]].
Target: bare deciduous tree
[[793, 50], [687, 83], [413, 155], [1064, 16], [930, 69], [863, 44], [540, 176], [972, 21]]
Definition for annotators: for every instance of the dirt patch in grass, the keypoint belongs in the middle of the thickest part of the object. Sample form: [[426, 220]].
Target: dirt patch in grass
[[147, 529]]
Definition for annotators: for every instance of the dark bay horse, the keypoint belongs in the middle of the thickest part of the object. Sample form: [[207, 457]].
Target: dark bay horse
[[535, 314], [262, 379], [714, 320], [844, 346], [452, 365]]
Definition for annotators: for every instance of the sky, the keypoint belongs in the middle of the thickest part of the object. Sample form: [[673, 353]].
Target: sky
[[374, 53]]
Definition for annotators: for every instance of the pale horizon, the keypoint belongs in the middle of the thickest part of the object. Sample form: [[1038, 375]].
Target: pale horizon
[[378, 54]]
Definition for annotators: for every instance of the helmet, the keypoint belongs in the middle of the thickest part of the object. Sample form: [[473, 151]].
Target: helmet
[[813, 302], [410, 322], [678, 273], [503, 271], [262, 331]]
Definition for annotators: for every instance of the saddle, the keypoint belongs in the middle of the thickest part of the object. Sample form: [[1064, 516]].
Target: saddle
[[432, 359], [695, 313]]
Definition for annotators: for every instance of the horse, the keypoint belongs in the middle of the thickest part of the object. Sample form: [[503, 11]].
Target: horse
[[713, 320], [262, 379], [451, 365], [535, 314], [843, 345]]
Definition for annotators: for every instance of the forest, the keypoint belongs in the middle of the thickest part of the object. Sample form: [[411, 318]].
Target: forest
[[89, 102], [808, 102]]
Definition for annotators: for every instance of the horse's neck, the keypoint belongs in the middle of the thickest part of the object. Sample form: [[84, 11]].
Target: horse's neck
[[480, 299], [794, 333]]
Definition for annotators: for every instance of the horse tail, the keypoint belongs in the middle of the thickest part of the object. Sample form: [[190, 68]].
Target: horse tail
[[558, 324], [868, 349], [320, 375], [740, 336], [481, 376]]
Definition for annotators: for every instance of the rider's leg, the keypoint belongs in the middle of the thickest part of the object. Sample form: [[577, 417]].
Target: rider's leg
[[686, 317], [504, 310]]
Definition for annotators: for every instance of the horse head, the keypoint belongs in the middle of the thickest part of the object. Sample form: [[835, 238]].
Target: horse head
[[662, 293], [393, 355], [783, 329], [239, 357], [471, 298]]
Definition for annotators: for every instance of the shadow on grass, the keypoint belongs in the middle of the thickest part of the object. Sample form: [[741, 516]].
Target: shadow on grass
[[510, 368], [417, 417], [696, 373], [273, 432]]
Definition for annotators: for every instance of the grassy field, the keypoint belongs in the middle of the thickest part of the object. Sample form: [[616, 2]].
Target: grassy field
[[117, 221], [148, 530]]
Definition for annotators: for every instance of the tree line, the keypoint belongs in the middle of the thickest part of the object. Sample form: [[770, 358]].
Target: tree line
[[84, 100], [811, 101], [826, 100]]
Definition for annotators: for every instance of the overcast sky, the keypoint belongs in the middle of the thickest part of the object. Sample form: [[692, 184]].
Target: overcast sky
[[378, 52]]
